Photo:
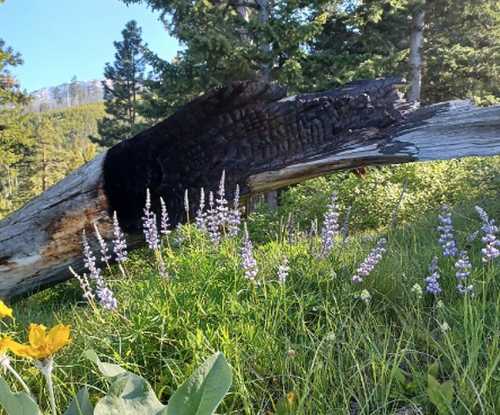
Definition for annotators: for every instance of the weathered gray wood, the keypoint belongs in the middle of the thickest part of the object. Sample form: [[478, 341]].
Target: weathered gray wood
[[439, 132], [40, 241], [262, 139]]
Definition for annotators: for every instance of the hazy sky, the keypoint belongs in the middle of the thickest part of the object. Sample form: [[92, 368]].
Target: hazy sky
[[62, 38]]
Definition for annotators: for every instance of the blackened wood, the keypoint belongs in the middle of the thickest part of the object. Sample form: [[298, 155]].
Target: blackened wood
[[263, 140]]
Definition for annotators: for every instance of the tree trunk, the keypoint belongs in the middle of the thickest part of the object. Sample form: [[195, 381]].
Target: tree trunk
[[416, 45], [261, 138]]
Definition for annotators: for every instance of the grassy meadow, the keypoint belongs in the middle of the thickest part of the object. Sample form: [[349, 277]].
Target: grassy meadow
[[315, 344]]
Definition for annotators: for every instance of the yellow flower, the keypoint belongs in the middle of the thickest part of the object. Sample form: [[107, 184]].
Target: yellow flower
[[4, 310], [4, 345], [42, 345]]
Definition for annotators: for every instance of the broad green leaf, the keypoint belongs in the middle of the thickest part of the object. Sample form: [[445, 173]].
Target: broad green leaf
[[129, 394], [81, 404], [16, 403], [440, 394], [109, 370], [204, 390]]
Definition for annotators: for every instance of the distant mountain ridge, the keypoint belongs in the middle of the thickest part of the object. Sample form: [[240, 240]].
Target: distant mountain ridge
[[66, 95]]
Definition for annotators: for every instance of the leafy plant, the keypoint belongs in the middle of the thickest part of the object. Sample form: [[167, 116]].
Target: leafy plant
[[130, 394], [440, 394]]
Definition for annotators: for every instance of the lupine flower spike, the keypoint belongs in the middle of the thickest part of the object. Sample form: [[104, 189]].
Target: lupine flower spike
[[164, 219], [463, 267], [201, 216], [432, 281], [345, 225], [105, 257], [283, 271], [490, 239], [84, 282], [447, 238], [221, 202], [370, 262], [330, 227], [149, 225], [186, 204], [105, 295], [119, 242], [248, 262], [234, 215], [213, 221]]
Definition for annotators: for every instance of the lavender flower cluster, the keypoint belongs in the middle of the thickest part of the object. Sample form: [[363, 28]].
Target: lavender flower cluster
[[104, 294], [149, 224], [490, 230], [330, 226], [219, 217], [447, 238], [248, 262], [164, 219], [119, 242], [370, 261], [432, 281], [283, 271], [463, 267]]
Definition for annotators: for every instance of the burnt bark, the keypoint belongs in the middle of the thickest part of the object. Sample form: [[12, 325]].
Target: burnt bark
[[263, 140]]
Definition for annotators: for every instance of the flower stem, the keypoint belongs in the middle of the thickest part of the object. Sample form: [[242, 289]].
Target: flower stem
[[50, 387], [46, 367], [18, 378]]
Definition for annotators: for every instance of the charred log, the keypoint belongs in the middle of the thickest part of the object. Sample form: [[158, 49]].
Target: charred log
[[263, 140]]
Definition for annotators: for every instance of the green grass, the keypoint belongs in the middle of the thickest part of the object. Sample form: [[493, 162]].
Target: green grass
[[308, 347]]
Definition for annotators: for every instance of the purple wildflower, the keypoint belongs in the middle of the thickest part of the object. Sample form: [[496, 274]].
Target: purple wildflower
[[447, 238], [213, 221], [490, 230], [370, 261], [119, 242], [84, 285], [201, 216], [164, 219], [105, 257], [234, 215], [283, 271], [330, 226], [105, 295], [106, 298], [345, 225], [248, 263], [186, 203], [463, 267], [149, 225], [432, 281], [89, 259], [221, 202]]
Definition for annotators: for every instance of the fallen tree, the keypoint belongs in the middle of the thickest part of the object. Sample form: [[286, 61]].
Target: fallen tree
[[263, 140]]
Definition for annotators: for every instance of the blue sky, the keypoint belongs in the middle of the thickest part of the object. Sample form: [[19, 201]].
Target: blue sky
[[62, 38]]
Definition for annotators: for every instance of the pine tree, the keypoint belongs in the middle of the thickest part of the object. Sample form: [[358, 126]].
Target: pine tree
[[122, 88], [14, 140]]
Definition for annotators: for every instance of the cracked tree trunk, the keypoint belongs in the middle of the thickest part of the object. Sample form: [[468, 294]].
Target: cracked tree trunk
[[263, 140]]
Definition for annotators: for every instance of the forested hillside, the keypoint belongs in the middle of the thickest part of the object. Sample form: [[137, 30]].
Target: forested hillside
[[51, 144]]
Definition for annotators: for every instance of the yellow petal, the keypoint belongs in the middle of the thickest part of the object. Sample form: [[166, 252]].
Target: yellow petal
[[4, 310], [37, 335], [21, 350], [58, 337], [4, 345]]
